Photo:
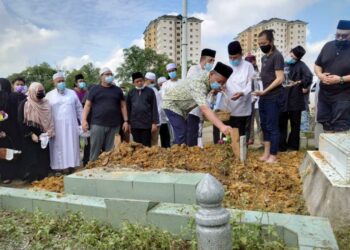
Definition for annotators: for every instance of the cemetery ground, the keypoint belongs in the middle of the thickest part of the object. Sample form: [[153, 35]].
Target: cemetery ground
[[252, 185]]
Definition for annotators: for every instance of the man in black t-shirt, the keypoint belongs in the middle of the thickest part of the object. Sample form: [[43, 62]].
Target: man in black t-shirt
[[107, 105], [333, 68]]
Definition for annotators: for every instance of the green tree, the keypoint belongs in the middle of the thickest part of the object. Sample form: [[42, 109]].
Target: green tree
[[89, 71], [143, 60], [39, 73]]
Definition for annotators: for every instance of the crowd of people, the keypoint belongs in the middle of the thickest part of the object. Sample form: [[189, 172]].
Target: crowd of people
[[48, 128]]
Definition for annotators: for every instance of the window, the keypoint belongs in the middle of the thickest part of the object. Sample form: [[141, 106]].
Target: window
[[191, 48], [170, 28], [178, 34], [170, 47], [191, 42], [170, 54], [191, 55], [191, 24], [164, 47], [178, 40], [170, 41], [191, 30], [178, 46], [178, 28], [191, 36], [170, 22]]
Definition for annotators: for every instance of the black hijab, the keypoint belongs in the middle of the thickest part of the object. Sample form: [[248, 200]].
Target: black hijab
[[5, 91]]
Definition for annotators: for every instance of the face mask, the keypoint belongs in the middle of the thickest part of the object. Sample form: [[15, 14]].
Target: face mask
[[342, 43], [109, 79], [208, 66], [215, 86], [61, 86], [82, 85], [152, 85], [172, 74], [40, 95], [19, 89], [291, 61], [235, 63], [139, 88], [266, 48]]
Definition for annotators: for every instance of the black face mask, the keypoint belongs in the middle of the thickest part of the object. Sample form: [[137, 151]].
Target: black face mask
[[40, 95], [266, 48], [342, 43]]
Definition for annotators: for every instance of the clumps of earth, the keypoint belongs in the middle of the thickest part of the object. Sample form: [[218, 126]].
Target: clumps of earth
[[252, 185]]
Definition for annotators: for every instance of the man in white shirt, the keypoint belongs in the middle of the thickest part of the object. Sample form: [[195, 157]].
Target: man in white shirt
[[237, 96], [66, 111], [195, 118], [165, 128], [150, 81]]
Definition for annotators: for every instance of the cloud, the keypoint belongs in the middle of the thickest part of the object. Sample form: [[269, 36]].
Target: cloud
[[313, 50], [20, 42], [224, 19], [71, 62]]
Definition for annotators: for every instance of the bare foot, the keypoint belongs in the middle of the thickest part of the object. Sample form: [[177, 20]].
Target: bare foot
[[272, 159], [264, 158]]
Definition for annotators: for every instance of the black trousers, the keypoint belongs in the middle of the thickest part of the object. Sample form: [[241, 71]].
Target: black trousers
[[164, 135], [239, 122], [292, 140], [142, 136], [86, 156]]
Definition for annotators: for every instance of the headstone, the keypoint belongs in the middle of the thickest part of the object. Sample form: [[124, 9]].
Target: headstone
[[243, 148], [212, 220], [335, 148]]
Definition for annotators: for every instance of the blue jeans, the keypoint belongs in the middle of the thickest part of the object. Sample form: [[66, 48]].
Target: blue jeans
[[334, 116], [269, 110], [186, 131]]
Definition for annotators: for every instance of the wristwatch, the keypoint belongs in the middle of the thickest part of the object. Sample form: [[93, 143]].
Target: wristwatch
[[341, 80]]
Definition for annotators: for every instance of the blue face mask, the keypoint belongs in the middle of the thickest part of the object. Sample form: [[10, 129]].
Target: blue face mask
[[172, 74], [152, 85], [139, 88], [235, 63], [215, 86], [208, 66], [82, 85], [291, 61], [61, 86], [109, 79]]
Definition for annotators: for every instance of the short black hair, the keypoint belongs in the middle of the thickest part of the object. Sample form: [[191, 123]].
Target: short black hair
[[78, 77], [19, 78], [268, 34]]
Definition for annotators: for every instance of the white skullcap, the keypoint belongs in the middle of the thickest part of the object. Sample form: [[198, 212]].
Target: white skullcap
[[150, 76], [171, 66], [57, 75], [104, 70], [161, 80]]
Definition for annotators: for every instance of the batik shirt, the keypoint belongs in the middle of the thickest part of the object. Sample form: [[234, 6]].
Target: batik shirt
[[187, 95]]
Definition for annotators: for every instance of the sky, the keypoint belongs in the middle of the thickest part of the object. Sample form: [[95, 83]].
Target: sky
[[70, 33]]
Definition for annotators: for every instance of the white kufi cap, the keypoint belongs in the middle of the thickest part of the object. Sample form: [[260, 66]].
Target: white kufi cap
[[171, 66], [150, 76], [57, 75]]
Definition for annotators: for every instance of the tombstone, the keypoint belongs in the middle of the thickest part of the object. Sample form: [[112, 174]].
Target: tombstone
[[212, 220], [326, 179], [243, 148]]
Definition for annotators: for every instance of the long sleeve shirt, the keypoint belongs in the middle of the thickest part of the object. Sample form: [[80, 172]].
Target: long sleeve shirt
[[293, 97], [142, 108], [239, 81]]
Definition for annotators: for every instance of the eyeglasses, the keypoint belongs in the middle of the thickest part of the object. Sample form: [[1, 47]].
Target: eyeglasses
[[341, 36]]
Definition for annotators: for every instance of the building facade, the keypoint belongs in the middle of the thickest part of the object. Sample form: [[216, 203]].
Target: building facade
[[164, 35], [288, 34]]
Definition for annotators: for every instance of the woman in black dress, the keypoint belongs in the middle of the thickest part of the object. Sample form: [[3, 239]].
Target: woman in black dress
[[8, 129], [36, 122]]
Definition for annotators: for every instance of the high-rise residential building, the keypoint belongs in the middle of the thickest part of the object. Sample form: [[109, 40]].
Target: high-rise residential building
[[288, 34], [164, 35]]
